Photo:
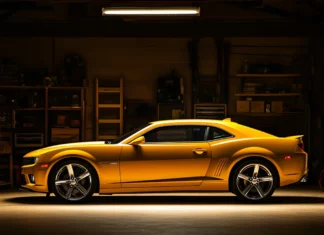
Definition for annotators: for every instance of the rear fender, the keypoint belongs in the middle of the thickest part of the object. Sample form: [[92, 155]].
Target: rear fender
[[253, 152]]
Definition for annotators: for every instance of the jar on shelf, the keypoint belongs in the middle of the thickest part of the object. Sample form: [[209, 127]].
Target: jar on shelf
[[75, 101]]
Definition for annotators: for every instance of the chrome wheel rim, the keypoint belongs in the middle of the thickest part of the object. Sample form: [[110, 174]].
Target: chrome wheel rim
[[73, 182], [254, 181]]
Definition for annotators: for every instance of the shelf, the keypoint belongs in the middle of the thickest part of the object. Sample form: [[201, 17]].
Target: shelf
[[109, 106], [268, 75], [267, 114], [107, 137], [108, 90], [65, 88], [65, 108], [109, 120], [5, 166], [111, 89], [30, 109], [268, 94], [2, 183], [22, 87], [36, 129], [41, 87]]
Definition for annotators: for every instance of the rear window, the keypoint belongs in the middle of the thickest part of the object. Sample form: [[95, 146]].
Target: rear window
[[215, 133], [251, 132]]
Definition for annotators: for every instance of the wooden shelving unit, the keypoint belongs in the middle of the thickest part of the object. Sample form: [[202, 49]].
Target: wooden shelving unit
[[109, 108], [46, 113], [210, 111], [255, 80], [66, 110], [288, 104]]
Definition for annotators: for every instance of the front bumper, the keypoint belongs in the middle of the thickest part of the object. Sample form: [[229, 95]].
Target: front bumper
[[34, 178]]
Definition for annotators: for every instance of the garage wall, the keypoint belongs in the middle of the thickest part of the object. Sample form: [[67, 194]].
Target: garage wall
[[142, 60], [28, 52], [139, 60]]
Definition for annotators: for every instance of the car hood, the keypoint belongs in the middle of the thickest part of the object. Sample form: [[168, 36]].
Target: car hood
[[41, 151]]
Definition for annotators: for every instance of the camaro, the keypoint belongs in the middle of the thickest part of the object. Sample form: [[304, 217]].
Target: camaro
[[170, 156]]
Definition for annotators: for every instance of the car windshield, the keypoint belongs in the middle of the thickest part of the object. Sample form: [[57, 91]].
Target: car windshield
[[125, 136]]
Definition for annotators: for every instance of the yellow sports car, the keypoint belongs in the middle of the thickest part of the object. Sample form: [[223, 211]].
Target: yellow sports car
[[170, 156]]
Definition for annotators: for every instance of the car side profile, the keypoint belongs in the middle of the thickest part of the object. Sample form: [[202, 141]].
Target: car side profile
[[188, 155]]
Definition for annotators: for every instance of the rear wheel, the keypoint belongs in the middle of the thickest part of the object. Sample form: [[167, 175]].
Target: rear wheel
[[254, 180], [73, 181]]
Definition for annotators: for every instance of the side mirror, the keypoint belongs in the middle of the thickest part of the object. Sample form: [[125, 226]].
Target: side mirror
[[138, 141]]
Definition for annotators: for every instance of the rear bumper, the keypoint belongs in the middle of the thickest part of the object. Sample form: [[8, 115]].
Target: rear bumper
[[293, 170], [304, 179]]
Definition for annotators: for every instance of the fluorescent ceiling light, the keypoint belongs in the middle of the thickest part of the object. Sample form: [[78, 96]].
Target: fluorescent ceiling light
[[151, 11]]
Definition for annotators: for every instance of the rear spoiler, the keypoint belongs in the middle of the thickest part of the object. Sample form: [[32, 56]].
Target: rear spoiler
[[300, 140], [295, 137]]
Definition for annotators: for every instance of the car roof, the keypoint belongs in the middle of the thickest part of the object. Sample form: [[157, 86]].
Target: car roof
[[226, 122], [230, 126]]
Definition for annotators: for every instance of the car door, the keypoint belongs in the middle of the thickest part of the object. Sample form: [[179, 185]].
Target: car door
[[170, 156]]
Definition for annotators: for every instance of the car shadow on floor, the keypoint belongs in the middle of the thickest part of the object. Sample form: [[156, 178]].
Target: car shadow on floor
[[169, 200]]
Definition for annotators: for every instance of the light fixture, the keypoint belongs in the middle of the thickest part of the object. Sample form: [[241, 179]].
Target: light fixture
[[170, 11]]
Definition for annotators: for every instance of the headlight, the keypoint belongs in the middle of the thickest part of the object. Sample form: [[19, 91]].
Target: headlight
[[29, 160]]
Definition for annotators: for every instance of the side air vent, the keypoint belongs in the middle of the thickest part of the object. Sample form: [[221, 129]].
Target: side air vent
[[220, 165]]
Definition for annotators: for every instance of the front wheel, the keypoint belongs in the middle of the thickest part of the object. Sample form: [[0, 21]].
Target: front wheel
[[254, 180], [73, 181]]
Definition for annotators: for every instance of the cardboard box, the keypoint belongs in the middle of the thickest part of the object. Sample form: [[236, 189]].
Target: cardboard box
[[257, 106], [276, 106], [176, 113], [243, 106], [65, 135]]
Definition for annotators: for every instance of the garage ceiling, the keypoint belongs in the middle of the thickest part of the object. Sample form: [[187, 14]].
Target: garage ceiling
[[218, 9], [53, 17]]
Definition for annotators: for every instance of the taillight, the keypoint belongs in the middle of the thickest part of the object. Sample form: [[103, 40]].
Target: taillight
[[300, 148], [301, 145]]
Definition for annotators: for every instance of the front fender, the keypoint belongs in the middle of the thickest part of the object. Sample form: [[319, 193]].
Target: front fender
[[68, 154]]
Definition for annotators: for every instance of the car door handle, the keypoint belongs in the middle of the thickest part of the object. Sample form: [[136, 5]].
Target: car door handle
[[199, 151]]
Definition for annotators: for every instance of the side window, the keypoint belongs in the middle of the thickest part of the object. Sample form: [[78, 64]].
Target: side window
[[216, 133], [176, 134]]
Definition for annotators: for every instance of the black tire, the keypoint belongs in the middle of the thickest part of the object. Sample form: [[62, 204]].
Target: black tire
[[264, 184], [73, 189]]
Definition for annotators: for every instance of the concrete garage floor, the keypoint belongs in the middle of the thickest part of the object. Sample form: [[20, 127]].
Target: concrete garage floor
[[292, 210]]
